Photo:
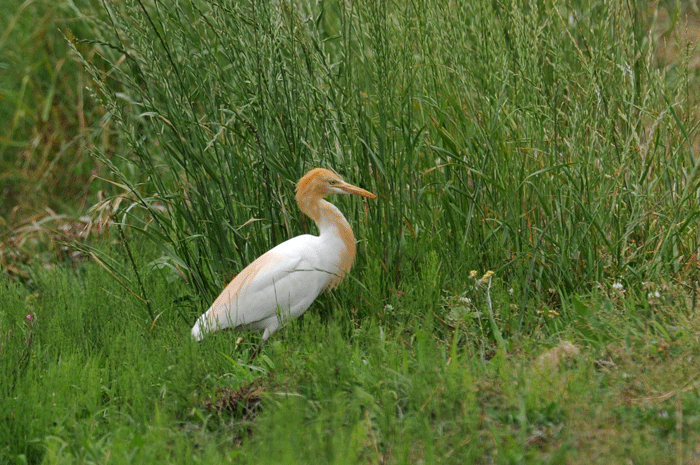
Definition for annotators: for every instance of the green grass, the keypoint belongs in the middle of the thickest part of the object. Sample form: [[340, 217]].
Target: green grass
[[50, 125], [549, 152], [47, 112], [92, 381], [546, 144]]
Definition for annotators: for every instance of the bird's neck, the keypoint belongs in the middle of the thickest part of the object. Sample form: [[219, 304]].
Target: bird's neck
[[332, 226]]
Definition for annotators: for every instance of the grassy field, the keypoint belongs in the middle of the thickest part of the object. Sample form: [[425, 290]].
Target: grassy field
[[150, 151]]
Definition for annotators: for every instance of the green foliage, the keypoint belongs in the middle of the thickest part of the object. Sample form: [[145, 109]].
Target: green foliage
[[82, 368], [519, 138], [51, 124], [95, 382], [543, 142], [50, 121]]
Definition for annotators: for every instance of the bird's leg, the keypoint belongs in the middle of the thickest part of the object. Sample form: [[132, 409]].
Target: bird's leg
[[265, 336], [256, 351]]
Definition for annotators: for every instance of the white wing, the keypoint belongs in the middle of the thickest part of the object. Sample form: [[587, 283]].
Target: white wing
[[279, 284]]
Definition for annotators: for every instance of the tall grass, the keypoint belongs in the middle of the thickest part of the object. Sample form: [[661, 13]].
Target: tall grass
[[47, 114], [50, 123], [542, 142]]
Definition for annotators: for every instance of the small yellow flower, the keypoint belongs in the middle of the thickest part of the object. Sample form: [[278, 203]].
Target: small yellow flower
[[472, 274], [486, 278]]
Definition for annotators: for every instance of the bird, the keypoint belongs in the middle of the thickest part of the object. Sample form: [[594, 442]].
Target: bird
[[284, 281]]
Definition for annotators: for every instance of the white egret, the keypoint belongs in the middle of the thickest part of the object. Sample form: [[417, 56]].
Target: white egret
[[284, 281]]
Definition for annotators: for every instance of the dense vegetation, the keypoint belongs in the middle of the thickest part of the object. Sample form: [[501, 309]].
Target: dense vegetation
[[151, 150]]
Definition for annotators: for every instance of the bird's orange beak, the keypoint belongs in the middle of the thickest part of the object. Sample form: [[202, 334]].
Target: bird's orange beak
[[354, 190]]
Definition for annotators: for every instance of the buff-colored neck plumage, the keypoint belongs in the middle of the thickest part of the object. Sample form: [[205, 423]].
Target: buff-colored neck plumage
[[332, 225]]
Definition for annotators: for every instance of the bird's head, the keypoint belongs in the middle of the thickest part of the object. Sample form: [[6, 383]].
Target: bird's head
[[320, 182]]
